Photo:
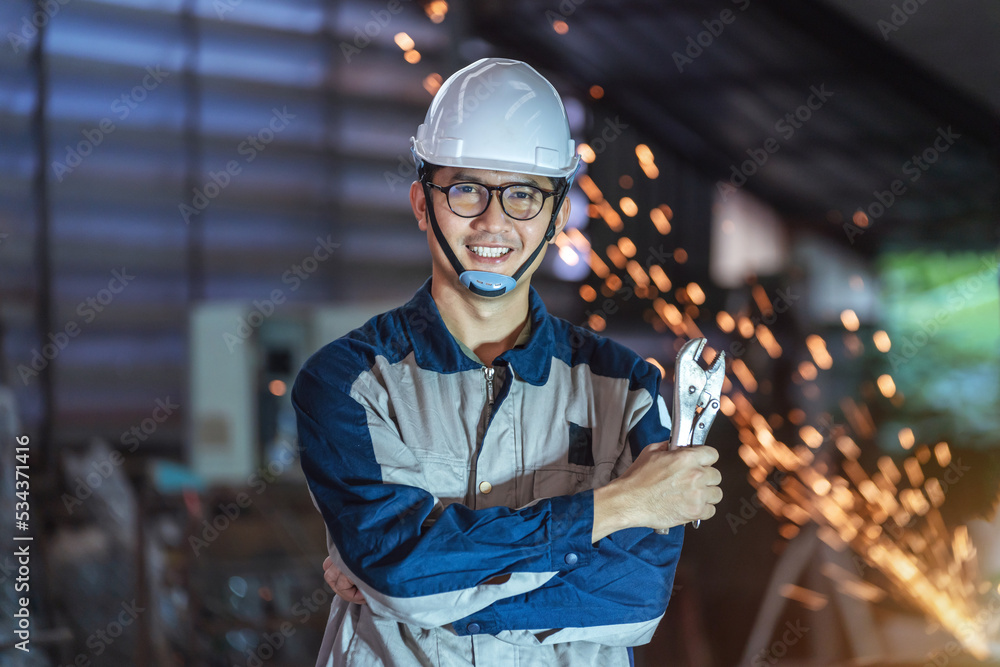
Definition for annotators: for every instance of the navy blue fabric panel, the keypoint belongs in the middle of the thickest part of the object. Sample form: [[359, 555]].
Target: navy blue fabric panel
[[650, 427], [379, 528], [581, 445], [629, 580]]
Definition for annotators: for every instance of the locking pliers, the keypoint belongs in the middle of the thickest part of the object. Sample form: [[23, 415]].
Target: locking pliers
[[697, 395], [697, 392]]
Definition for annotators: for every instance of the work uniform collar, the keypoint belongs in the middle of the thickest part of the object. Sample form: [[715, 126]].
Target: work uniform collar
[[436, 349]]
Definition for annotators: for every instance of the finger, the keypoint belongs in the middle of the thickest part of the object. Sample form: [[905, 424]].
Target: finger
[[327, 563], [714, 495], [706, 455], [343, 584], [713, 477]]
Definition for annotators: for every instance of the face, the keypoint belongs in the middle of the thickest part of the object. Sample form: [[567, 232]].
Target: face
[[492, 241]]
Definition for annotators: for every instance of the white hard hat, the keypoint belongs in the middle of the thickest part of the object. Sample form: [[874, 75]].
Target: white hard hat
[[497, 114]]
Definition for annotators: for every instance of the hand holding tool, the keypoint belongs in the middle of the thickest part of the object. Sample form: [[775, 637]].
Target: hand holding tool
[[697, 392]]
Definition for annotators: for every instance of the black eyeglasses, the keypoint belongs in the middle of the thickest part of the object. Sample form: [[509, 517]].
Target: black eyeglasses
[[469, 200]]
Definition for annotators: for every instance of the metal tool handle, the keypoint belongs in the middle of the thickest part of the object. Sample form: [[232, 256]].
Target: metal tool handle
[[694, 389]]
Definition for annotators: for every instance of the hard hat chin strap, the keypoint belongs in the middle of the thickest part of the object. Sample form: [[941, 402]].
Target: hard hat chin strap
[[487, 283]]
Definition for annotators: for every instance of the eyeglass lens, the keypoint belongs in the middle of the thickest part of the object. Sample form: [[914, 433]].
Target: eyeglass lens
[[521, 202]]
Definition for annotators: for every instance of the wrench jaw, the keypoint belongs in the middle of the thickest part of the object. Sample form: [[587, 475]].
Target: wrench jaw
[[696, 394], [711, 398]]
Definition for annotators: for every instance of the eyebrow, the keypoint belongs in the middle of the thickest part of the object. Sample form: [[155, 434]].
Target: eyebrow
[[462, 176]]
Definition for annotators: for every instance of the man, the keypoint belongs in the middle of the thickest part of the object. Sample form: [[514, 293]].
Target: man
[[490, 475]]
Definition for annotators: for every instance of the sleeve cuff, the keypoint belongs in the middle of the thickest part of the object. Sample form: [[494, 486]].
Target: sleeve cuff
[[572, 527]]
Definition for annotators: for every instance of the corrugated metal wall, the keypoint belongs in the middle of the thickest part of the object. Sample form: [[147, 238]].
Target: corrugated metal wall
[[190, 151]]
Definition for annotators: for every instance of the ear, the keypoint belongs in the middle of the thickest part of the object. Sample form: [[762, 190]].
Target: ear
[[562, 218], [419, 204]]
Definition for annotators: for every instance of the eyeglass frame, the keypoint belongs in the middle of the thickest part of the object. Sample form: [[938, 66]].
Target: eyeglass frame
[[490, 189]]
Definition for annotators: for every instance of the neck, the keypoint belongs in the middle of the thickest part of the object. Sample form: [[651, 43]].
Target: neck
[[488, 326]]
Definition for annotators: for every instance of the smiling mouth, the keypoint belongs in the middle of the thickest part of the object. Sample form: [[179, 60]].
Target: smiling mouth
[[487, 252]]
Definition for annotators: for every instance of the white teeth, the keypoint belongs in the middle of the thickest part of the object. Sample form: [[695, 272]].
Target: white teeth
[[483, 251]]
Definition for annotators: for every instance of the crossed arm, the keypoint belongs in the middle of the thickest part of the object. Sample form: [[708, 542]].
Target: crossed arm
[[565, 562], [662, 489]]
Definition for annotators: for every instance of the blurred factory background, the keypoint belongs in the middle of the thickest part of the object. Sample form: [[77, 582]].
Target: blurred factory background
[[197, 194]]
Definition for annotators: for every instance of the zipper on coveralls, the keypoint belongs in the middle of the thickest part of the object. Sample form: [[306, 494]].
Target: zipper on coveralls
[[488, 373]]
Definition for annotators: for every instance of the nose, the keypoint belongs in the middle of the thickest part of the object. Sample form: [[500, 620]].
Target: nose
[[493, 219]]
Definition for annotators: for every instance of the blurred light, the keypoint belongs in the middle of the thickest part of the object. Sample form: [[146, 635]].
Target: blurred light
[[403, 41], [811, 436], [860, 219], [850, 320], [626, 246], [913, 472], [238, 585], [596, 322], [745, 326], [561, 27], [788, 531], [616, 256], [412, 56], [882, 342], [820, 355], [597, 265], [659, 277], [265, 593], [638, 275], [611, 217], [628, 206], [577, 238], [436, 10], [853, 344], [796, 415], [663, 371], [857, 283], [587, 153], [614, 282], [646, 161], [848, 448], [886, 385], [811, 600], [725, 321], [625, 182], [587, 293], [432, 82], [923, 454], [744, 375], [569, 256], [761, 299], [660, 220], [942, 454], [277, 387], [680, 256], [906, 438], [695, 293], [808, 371], [596, 92]]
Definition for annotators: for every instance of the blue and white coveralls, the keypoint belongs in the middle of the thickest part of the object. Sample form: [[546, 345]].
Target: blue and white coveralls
[[462, 505]]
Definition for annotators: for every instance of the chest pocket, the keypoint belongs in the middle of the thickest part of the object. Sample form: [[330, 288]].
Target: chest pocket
[[575, 472]]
